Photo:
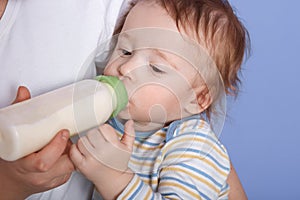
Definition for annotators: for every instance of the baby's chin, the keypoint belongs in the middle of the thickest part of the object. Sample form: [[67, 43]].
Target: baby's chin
[[141, 126], [123, 116], [147, 126]]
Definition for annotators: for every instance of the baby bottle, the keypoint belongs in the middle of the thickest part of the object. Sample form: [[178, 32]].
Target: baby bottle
[[27, 126]]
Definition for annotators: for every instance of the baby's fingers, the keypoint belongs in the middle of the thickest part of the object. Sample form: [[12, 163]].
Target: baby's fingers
[[109, 134], [129, 135]]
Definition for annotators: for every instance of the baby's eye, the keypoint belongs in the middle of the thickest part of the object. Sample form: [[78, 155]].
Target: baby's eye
[[125, 52], [156, 69]]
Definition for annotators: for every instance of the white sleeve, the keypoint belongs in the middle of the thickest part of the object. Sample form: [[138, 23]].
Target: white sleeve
[[44, 45]]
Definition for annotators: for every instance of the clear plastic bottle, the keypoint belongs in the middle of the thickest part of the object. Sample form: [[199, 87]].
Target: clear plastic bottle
[[27, 126]]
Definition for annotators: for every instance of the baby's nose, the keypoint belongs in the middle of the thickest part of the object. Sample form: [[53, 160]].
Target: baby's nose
[[132, 68]]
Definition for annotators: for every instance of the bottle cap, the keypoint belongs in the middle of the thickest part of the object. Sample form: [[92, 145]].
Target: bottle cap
[[119, 89]]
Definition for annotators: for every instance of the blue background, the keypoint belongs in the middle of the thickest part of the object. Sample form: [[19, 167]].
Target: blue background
[[262, 132]]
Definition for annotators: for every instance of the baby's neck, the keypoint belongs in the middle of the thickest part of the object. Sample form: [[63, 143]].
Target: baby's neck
[[144, 126]]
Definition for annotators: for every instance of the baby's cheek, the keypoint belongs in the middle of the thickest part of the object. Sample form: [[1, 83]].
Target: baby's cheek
[[165, 106], [108, 71], [154, 103]]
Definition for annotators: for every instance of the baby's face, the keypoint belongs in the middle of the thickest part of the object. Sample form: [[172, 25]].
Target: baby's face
[[162, 85]]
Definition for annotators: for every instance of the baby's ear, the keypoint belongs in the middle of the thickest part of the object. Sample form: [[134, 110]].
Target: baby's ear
[[200, 103], [204, 99]]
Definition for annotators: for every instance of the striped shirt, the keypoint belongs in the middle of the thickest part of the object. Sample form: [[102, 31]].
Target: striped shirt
[[182, 161]]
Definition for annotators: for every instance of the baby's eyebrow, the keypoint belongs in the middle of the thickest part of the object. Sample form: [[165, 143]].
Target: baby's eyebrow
[[124, 35], [165, 57], [161, 54]]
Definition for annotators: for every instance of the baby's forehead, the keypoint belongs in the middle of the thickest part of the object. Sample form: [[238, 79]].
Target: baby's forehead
[[165, 40], [148, 14]]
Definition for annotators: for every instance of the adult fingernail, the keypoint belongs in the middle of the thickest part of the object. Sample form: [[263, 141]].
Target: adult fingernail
[[65, 135]]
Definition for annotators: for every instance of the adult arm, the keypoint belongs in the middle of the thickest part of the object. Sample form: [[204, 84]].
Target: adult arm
[[236, 189], [39, 171]]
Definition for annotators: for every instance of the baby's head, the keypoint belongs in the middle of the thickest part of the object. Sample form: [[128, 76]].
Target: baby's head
[[170, 54]]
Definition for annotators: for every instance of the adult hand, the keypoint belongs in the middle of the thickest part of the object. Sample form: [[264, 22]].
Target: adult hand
[[39, 171]]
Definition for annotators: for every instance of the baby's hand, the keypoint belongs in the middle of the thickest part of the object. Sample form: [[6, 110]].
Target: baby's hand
[[103, 158]]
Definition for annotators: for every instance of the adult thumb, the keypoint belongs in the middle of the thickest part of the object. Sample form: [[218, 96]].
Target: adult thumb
[[129, 135], [22, 94]]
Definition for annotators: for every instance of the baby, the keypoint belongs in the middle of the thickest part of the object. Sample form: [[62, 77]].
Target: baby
[[177, 59]]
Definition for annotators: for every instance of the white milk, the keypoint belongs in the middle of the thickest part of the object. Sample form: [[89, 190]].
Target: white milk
[[27, 126]]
